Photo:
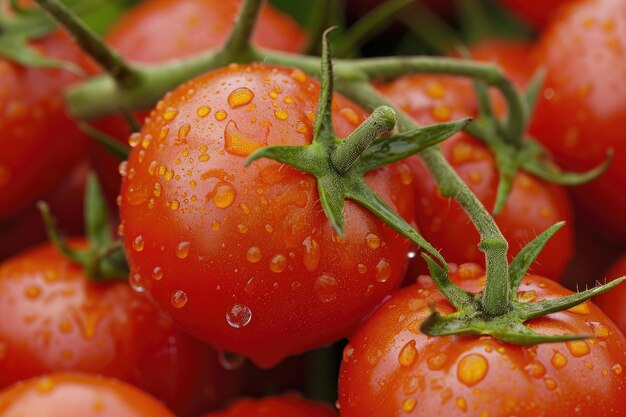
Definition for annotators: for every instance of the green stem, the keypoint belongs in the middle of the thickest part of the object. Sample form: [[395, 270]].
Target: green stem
[[238, 43], [431, 29], [319, 22], [382, 119], [125, 74], [492, 243]]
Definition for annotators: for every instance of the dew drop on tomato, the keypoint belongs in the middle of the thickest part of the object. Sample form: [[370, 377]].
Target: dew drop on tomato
[[238, 316], [136, 282], [326, 288], [231, 361], [383, 271], [179, 299]]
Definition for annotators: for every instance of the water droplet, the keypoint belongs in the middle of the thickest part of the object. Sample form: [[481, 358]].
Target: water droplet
[[179, 299], [326, 288], [136, 282], [231, 361], [281, 114], [383, 271], [220, 115], [617, 369], [33, 292], [581, 309], [373, 241], [350, 116], [348, 351], [298, 75], [203, 111], [535, 369], [577, 348], [240, 143], [436, 361], [550, 383], [44, 384], [600, 330], [472, 369], [461, 403], [361, 268], [223, 195], [238, 316], [182, 250], [409, 404], [254, 254], [145, 142], [311, 257], [170, 113], [240, 97], [138, 243], [278, 263], [136, 195], [157, 273], [122, 168], [134, 139], [558, 360], [408, 354]]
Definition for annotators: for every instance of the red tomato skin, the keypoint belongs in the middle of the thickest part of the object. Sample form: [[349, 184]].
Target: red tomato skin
[[391, 369], [254, 237], [580, 113], [193, 26], [532, 206], [612, 302], [41, 141], [282, 406], [52, 319], [535, 12], [74, 395]]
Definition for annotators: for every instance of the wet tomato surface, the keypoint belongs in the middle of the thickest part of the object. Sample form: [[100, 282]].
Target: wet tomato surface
[[247, 259], [283, 406], [391, 369]]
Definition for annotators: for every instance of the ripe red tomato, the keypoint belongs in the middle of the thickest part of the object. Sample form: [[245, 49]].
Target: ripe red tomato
[[535, 12], [612, 303], [391, 369], [53, 319], [532, 206], [283, 406], [41, 143], [254, 241], [69, 395], [581, 110], [193, 26]]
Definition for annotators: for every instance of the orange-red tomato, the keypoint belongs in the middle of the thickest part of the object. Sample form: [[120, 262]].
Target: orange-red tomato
[[283, 406], [612, 303], [391, 369], [254, 241], [532, 206], [582, 106], [192, 26], [78, 395], [52, 319], [40, 142]]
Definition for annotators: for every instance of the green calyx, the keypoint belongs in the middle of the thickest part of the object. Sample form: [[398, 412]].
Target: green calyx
[[340, 165], [104, 259], [471, 316]]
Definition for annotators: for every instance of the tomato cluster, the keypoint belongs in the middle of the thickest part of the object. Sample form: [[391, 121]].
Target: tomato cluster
[[247, 232]]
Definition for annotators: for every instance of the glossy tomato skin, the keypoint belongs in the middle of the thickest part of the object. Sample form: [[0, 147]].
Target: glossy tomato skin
[[391, 369], [535, 12], [193, 26], [73, 395], [41, 143], [282, 406], [581, 111], [613, 302], [532, 206], [52, 319], [254, 241]]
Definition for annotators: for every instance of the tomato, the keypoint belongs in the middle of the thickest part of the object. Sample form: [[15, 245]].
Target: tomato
[[283, 406], [535, 12], [581, 110], [53, 319], [612, 303], [73, 395], [254, 241], [391, 369], [533, 204], [40, 142], [193, 26], [66, 203]]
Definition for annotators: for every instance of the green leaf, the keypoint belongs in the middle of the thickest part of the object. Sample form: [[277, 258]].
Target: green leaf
[[387, 150], [332, 201], [522, 261], [323, 131], [457, 297], [96, 214]]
